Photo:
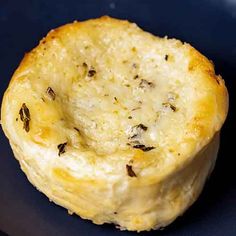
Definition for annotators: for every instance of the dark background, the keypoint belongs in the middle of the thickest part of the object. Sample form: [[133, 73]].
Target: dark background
[[210, 26]]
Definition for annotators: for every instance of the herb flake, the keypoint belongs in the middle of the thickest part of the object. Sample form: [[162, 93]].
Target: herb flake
[[25, 117], [171, 106], [85, 65], [91, 72], [77, 130], [143, 147], [136, 108], [130, 171], [137, 130], [51, 93], [144, 84], [61, 148], [141, 126]]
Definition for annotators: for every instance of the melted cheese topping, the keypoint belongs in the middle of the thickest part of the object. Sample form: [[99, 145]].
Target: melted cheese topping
[[106, 99]]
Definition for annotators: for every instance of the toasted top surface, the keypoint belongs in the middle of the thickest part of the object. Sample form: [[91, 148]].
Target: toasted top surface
[[106, 90]]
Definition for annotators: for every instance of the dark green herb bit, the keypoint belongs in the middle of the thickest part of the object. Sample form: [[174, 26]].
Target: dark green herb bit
[[51, 93], [143, 147], [141, 126], [133, 136], [130, 117], [77, 130], [133, 142], [136, 130], [146, 149], [85, 64], [91, 73], [116, 99], [136, 76], [167, 104], [139, 146], [144, 84], [136, 108], [166, 57], [21, 114], [61, 148], [130, 171], [26, 125], [25, 117]]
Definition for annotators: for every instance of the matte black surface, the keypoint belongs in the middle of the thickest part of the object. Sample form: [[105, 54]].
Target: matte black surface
[[3, 234], [210, 26]]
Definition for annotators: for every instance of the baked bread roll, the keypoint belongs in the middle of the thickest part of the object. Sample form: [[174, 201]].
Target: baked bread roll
[[115, 124]]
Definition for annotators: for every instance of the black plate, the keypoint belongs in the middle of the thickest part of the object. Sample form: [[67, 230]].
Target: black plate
[[210, 26]]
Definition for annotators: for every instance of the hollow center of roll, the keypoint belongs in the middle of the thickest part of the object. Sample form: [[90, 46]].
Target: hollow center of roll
[[119, 91], [123, 106]]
